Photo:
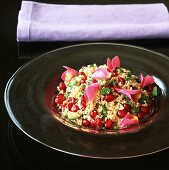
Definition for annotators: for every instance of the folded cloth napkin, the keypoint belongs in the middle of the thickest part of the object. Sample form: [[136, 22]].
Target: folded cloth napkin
[[51, 22]]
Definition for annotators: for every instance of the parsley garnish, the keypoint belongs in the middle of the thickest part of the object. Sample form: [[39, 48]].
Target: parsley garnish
[[105, 91], [144, 99], [111, 82], [66, 95], [91, 65], [71, 85], [129, 75], [121, 70], [103, 112], [136, 109], [154, 92]]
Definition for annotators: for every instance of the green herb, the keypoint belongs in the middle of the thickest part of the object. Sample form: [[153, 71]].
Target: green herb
[[91, 65], [71, 85], [103, 112], [155, 91], [121, 70], [105, 91], [126, 97], [81, 93], [66, 95], [129, 75], [136, 109], [144, 99], [137, 80], [111, 82], [130, 103]]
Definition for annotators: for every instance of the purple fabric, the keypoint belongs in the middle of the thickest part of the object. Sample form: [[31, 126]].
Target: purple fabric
[[51, 22]]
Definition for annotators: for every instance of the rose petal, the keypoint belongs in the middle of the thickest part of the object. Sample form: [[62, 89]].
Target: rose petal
[[128, 92], [109, 65], [115, 62], [68, 74], [128, 120], [90, 91], [101, 73], [146, 81]]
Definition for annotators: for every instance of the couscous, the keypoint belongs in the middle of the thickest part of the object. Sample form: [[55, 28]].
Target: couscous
[[105, 97]]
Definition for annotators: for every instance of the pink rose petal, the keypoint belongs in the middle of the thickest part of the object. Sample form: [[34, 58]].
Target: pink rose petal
[[100, 73], [68, 74], [128, 120], [113, 64], [109, 65], [146, 81], [128, 92], [90, 91]]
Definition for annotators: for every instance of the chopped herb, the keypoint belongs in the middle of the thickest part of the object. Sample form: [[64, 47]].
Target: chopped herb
[[154, 92], [130, 103], [136, 109], [126, 97], [71, 85], [105, 91], [81, 93], [121, 70], [103, 112], [66, 95], [111, 82], [129, 75], [137, 80], [144, 99], [91, 65]]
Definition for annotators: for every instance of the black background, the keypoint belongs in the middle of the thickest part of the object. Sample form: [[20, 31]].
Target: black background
[[33, 152]]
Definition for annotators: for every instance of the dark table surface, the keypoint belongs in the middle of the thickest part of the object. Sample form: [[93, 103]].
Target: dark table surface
[[19, 151]]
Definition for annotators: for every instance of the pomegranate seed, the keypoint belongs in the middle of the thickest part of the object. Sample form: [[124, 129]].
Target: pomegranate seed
[[62, 86], [83, 80], [121, 113], [121, 80], [127, 107], [115, 74], [71, 100], [82, 73], [83, 105], [93, 124], [59, 98], [86, 122], [109, 97], [98, 122], [144, 109], [140, 116], [63, 105], [108, 124], [69, 106], [83, 102], [74, 108], [115, 86], [94, 81], [150, 88], [83, 99], [93, 114]]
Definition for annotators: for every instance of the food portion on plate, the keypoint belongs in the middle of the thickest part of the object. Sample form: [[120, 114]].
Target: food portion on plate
[[105, 97]]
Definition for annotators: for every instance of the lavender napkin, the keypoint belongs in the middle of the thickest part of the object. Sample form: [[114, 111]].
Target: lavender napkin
[[51, 22]]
